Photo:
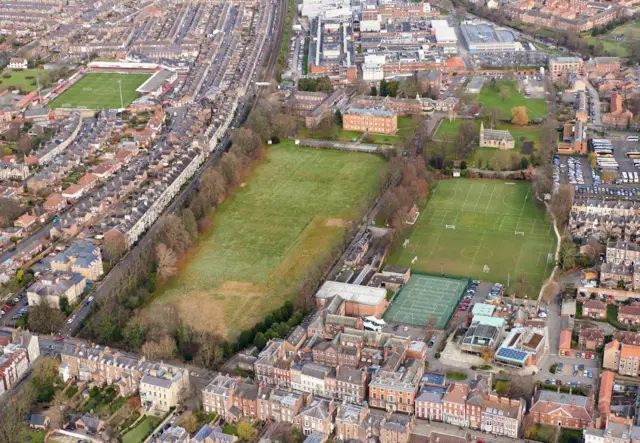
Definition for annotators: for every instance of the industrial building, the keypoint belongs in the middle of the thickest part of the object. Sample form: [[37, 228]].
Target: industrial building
[[487, 38]]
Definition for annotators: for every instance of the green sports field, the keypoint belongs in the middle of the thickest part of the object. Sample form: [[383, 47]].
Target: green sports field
[[486, 215], [291, 212], [101, 91], [424, 297]]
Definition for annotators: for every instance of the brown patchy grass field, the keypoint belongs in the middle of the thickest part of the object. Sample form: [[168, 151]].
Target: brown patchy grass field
[[292, 209]]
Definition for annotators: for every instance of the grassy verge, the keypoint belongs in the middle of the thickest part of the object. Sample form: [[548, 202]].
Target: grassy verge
[[454, 375]]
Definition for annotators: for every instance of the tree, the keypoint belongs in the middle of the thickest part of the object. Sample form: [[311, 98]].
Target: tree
[[64, 305], [464, 139], [245, 431], [374, 91], [25, 144], [213, 186], [361, 87], [134, 335], [166, 260], [188, 421], [567, 257], [338, 117], [505, 93], [543, 180], [10, 210], [189, 222], [114, 247], [622, 284], [231, 168], [44, 318], [561, 203], [246, 143], [491, 116], [174, 235], [260, 341], [165, 349], [519, 116], [409, 87], [487, 354]]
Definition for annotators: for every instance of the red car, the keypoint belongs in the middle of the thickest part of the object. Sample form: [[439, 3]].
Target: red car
[[60, 338], [6, 308]]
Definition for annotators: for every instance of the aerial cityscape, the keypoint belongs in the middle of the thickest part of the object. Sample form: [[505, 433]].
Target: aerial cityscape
[[312, 221]]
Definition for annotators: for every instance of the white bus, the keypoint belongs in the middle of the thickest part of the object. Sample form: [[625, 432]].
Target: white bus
[[373, 324], [636, 179], [633, 138], [625, 178]]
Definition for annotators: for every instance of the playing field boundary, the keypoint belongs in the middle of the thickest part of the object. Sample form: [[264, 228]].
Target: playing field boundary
[[478, 229]]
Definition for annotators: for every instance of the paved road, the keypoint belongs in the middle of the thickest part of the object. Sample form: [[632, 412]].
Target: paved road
[[594, 99]]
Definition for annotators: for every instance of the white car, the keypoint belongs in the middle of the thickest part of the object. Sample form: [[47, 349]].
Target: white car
[[70, 320], [91, 298]]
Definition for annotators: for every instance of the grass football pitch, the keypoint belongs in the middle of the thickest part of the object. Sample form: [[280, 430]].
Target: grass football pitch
[[425, 297], [484, 245], [101, 91], [290, 212]]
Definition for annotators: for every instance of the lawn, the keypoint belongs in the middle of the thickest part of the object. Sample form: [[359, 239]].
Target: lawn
[[142, 430], [480, 157], [570, 436], [449, 130], [33, 436], [489, 97], [19, 79], [291, 212], [101, 91], [615, 48], [467, 228], [454, 375], [543, 433]]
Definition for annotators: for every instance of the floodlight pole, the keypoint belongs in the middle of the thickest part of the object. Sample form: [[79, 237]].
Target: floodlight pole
[[120, 87]]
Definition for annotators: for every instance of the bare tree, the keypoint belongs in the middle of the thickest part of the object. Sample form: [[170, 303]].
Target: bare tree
[[231, 168], [164, 349], [174, 234], [561, 203], [166, 259]]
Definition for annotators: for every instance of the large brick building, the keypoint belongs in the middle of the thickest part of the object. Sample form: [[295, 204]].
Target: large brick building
[[563, 410], [561, 67], [376, 121]]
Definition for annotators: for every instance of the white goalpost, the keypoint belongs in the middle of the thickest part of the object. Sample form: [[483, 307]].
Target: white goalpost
[[450, 226], [518, 233], [485, 269], [406, 243]]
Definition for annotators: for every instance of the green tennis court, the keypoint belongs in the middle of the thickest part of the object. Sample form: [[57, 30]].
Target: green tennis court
[[425, 297]]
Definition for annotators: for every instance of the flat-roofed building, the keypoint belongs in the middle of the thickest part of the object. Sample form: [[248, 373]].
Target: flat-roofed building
[[484, 332], [358, 300], [487, 38]]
